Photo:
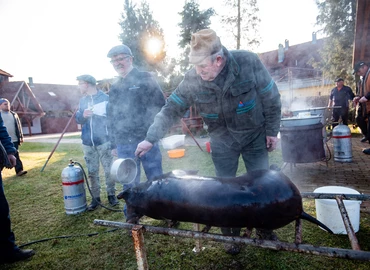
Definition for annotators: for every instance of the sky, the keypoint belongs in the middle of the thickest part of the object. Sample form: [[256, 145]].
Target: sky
[[56, 41]]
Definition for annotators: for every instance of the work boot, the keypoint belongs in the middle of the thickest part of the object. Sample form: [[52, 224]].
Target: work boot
[[94, 204], [16, 255], [112, 200], [266, 235], [20, 173]]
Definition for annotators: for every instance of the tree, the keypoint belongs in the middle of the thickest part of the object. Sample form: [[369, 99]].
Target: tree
[[242, 22], [193, 20], [337, 17], [139, 29]]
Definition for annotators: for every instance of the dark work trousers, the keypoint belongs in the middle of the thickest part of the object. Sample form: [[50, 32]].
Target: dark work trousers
[[152, 161], [361, 122], [226, 161], [7, 239], [368, 127], [340, 112], [19, 166]]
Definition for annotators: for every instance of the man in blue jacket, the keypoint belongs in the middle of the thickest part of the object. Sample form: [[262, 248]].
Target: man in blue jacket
[[92, 116], [238, 101], [9, 251]]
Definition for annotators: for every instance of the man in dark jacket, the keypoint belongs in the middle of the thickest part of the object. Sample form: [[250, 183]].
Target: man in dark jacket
[[92, 116], [362, 69], [239, 102], [134, 99], [9, 251], [14, 128], [339, 96]]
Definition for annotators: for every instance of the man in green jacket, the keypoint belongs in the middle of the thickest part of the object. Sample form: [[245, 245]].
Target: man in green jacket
[[238, 101]]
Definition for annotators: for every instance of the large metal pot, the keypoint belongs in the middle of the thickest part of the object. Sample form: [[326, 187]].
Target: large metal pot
[[300, 121], [314, 111]]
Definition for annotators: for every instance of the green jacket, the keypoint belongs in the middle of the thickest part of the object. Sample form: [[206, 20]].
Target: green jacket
[[248, 104]]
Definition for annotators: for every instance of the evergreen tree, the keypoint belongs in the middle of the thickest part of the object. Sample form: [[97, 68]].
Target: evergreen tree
[[192, 20], [242, 23], [337, 17], [138, 29]]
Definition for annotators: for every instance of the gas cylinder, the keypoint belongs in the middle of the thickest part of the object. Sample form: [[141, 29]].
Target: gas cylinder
[[342, 143], [73, 189]]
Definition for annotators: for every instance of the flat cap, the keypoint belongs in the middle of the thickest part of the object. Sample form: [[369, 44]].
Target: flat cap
[[339, 79], [119, 49], [2, 100], [203, 43], [87, 78], [357, 66]]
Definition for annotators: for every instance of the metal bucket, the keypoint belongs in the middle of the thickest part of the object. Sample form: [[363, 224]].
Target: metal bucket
[[124, 170]]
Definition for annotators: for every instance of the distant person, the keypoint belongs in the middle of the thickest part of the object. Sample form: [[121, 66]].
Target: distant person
[[339, 96], [134, 99], [14, 127], [362, 69], [9, 251], [92, 115], [239, 102], [361, 119]]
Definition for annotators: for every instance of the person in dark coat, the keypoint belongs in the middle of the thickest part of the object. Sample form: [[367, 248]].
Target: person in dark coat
[[339, 96], [362, 69], [238, 101], [9, 251], [134, 99]]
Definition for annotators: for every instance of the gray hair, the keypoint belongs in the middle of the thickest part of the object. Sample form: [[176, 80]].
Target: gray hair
[[219, 53]]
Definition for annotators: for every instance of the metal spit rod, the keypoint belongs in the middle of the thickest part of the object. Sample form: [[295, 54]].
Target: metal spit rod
[[275, 245]]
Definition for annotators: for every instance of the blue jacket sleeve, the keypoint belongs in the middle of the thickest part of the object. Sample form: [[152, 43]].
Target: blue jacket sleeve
[[80, 119]]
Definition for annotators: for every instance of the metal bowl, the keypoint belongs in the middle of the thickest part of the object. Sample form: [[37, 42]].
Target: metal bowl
[[124, 170]]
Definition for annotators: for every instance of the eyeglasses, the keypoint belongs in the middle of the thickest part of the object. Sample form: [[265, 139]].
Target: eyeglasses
[[113, 61]]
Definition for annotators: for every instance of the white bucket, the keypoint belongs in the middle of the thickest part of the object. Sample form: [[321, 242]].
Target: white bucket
[[327, 210]]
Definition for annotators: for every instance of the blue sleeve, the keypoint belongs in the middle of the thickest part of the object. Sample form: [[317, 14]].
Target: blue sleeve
[[80, 119]]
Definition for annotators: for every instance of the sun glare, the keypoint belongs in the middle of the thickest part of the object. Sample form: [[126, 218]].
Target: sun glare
[[154, 46]]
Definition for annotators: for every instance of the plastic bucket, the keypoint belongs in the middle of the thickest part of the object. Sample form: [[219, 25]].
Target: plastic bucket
[[327, 210]]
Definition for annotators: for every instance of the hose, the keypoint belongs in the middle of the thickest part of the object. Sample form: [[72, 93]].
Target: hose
[[64, 236], [76, 235], [88, 187]]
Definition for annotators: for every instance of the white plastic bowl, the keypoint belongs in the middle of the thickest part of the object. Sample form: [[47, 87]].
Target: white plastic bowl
[[173, 141]]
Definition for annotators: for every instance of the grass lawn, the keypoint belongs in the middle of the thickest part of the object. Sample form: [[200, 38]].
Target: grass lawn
[[37, 213]]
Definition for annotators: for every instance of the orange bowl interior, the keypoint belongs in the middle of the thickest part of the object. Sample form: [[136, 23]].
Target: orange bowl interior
[[176, 153]]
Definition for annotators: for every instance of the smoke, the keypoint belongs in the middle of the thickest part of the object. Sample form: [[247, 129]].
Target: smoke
[[299, 104]]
